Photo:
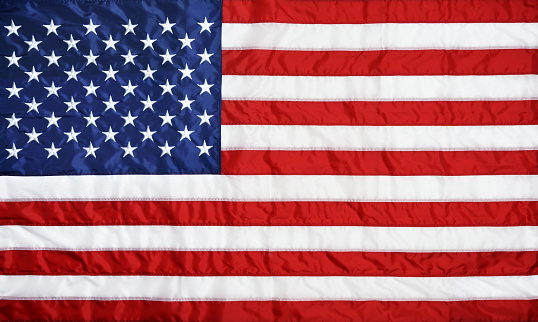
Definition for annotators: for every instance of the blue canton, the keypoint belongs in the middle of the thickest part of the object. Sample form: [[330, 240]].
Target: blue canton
[[112, 87]]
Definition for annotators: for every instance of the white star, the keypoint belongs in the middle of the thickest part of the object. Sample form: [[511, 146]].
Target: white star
[[205, 87], [186, 72], [14, 90], [110, 134], [91, 89], [185, 134], [148, 42], [166, 149], [13, 152], [53, 120], [167, 88], [72, 74], [129, 119], [53, 59], [52, 28], [205, 25], [167, 118], [205, 57], [91, 58], [129, 58], [167, 26], [111, 43], [72, 105], [148, 72], [33, 106], [53, 151], [90, 150], [12, 29], [204, 148], [186, 42], [72, 135], [32, 44], [53, 90], [205, 118], [110, 73], [186, 103], [128, 150], [13, 60], [110, 105], [33, 136], [167, 57], [33, 75], [71, 43], [129, 28], [13, 121], [91, 119], [148, 135], [129, 89], [148, 103], [91, 27]]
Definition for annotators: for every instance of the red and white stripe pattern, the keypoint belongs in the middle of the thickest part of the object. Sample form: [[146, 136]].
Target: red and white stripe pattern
[[380, 162]]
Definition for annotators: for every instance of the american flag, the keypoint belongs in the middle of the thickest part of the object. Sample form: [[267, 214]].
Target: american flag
[[269, 160]]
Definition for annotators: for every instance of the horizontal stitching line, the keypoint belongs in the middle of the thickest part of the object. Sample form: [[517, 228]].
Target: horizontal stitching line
[[283, 249], [372, 48], [235, 73], [358, 149], [378, 124], [158, 299], [365, 22], [268, 274], [272, 200], [329, 222], [439, 99]]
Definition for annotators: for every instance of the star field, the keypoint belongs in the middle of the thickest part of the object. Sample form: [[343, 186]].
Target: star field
[[112, 92]]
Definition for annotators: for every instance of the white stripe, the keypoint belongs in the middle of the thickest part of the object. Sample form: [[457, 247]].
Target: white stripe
[[380, 88], [382, 138], [236, 288], [270, 188], [282, 238], [379, 36]]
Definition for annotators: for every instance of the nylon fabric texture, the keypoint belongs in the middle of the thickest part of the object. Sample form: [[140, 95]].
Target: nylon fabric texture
[[269, 160]]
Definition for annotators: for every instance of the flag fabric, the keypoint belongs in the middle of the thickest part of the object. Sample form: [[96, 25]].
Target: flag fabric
[[269, 160]]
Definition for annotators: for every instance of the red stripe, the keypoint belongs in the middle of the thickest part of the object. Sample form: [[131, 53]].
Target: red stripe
[[380, 113], [398, 163], [379, 11], [136, 310], [260, 263], [420, 214], [379, 63]]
